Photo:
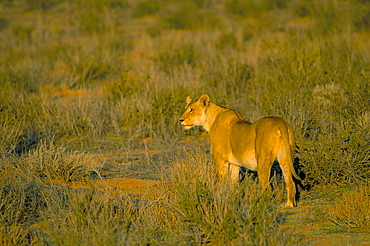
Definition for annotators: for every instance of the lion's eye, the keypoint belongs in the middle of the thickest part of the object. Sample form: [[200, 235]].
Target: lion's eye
[[191, 110]]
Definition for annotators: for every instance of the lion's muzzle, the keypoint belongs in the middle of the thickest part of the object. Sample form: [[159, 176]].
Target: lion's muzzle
[[182, 122]]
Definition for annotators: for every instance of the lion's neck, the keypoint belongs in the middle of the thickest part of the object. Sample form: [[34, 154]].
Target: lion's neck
[[211, 114]]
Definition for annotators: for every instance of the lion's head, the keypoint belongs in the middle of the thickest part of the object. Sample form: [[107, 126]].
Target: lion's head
[[195, 112]]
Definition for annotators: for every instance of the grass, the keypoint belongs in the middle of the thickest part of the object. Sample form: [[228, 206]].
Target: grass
[[351, 210], [93, 90]]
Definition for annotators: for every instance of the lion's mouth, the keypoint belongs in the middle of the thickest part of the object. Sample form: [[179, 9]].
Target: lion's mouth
[[182, 121], [187, 126]]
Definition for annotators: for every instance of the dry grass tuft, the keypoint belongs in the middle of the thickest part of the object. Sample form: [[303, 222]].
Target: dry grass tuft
[[352, 209]]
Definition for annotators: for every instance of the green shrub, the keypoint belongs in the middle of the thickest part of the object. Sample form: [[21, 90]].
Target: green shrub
[[303, 8], [188, 16], [154, 31], [227, 40], [254, 8], [23, 33], [166, 108], [4, 23], [240, 8], [147, 7], [56, 163], [18, 124], [92, 217], [100, 5], [21, 201], [220, 214], [41, 4], [91, 23], [233, 79], [361, 16], [174, 55], [130, 83]]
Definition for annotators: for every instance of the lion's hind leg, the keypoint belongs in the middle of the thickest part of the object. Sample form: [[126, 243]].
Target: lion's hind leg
[[264, 164], [284, 160]]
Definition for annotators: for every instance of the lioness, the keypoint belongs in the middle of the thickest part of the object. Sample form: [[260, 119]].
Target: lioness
[[236, 142]]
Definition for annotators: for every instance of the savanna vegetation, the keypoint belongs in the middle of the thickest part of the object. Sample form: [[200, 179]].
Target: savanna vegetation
[[93, 89]]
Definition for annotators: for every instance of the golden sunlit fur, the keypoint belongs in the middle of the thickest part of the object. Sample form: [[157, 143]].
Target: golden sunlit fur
[[236, 142]]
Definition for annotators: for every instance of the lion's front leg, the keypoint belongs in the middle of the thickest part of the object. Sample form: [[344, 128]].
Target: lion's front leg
[[221, 168], [234, 171], [225, 169]]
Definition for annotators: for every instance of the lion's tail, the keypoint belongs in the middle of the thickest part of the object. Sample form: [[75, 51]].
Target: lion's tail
[[288, 140]]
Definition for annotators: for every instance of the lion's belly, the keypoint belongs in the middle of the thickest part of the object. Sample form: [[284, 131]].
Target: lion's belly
[[248, 160]]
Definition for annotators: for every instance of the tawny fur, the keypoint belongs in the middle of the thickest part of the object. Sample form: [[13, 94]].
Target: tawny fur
[[236, 142]]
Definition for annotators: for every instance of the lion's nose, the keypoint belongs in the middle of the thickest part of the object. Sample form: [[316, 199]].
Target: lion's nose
[[181, 120]]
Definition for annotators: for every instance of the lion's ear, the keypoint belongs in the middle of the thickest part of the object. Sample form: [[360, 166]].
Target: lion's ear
[[188, 100], [204, 99]]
